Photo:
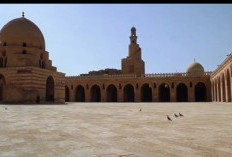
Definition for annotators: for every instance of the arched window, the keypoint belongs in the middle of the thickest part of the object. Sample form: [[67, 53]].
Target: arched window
[[24, 45], [24, 52], [50, 89]]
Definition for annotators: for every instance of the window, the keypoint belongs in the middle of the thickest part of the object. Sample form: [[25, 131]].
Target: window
[[154, 85], [24, 45], [4, 44], [172, 85], [24, 52]]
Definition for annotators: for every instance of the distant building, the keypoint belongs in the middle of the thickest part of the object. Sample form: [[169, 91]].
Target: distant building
[[27, 75]]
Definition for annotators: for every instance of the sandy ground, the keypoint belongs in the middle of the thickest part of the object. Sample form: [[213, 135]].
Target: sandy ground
[[116, 130]]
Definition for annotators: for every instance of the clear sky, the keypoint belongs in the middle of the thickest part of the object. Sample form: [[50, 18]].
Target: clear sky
[[85, 37]]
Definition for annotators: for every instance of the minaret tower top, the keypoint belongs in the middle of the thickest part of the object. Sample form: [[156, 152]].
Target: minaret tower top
[[133, 37]]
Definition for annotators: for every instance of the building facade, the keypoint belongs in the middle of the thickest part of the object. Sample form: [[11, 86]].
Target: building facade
[[27, 75]]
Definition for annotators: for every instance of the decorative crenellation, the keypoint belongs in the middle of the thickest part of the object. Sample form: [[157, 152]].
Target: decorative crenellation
[[134, 75]]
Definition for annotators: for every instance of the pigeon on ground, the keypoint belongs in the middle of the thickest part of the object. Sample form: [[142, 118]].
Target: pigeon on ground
[[169, 118], [140, 110], [181, 115], [176, 115]]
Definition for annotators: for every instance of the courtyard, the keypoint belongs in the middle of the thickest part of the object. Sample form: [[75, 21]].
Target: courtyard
[[116, 130]]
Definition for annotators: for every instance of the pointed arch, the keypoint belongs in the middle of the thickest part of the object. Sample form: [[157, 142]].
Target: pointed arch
[[164, 93], [200, 92], [80, 94], [223, 88], [146, 93], [95, 93], [112, 93], [228, 83], [182, 93], [50, 89], [219, 89], [128, 93], [66, 94]]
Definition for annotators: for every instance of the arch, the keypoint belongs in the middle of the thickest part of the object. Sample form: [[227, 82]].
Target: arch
[[228, 78], [50, 89], [182, 93], [128, 93], [212, 90], [219, 89], [200, 92], [2, 85], [223, 89], [80, 94], [95, 93], [112, 93], [164, 93], [146, 93], [66, 94]]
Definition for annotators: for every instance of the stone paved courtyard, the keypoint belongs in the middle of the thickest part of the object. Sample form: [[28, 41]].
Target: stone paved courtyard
[[116, 130]]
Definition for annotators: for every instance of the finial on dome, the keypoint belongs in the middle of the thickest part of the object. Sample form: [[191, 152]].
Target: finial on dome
[[22, 14]]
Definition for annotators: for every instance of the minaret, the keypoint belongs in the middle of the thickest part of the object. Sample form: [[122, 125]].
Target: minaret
[[133, 64]]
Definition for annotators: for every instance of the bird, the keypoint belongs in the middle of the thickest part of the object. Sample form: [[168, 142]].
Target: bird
[[181, 114], [5, 108], [140, 110], [169, 118], [176, 115]]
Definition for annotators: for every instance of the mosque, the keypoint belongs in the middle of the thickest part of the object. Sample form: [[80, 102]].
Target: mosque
[[28, 76]]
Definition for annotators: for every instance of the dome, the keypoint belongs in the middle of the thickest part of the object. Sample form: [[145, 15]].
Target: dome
[[22, 31], [195, 69]]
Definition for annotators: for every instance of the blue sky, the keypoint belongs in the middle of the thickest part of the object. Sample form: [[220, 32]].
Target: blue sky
[[85, 37]]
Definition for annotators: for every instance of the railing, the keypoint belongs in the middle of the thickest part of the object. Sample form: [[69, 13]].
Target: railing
[[133, 75], [103, 76], [172, 74]]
